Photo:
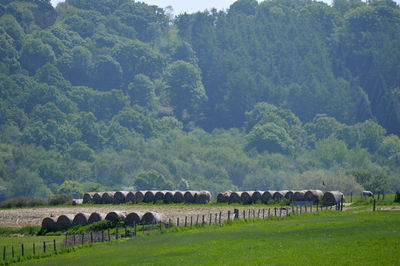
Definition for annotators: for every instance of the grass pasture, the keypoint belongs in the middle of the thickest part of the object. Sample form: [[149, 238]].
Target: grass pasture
[[330, 237]]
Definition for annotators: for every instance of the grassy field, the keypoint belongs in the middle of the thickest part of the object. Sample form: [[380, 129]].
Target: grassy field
[[339, 238]]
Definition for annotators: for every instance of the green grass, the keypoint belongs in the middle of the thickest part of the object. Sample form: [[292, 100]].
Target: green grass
[[339, 238]]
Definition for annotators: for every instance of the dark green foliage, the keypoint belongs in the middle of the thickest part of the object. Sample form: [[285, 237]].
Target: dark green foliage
[[22, 202], [269, 95], [59, 199]]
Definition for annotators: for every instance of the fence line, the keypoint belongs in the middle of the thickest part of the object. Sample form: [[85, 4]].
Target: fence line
[[131, 231]]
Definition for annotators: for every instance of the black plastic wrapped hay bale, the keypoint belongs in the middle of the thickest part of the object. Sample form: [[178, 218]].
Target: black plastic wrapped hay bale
[[115, 216], [178, 197], [331, 198], [289, 195], [64, 222], [314, 195], [107, 197], [97, 197], [279, 195], [299, 195], [96, 217], [149, 196], [133, 218], [139, 195], [267, 196], [152, 218], [202, 197], [168, 197], [88, 197], [223, 197], [159, 196], [257, 196], [49, 224], [120, 197], [189, 196], [81, 219], [130, 197], [235, 197], [246, 197]]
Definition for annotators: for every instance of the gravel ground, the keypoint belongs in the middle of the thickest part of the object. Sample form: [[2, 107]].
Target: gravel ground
[[23, 217]]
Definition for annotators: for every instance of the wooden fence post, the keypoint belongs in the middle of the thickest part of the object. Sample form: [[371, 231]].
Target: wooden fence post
[[254, 213], [197, 220], [55, 246], [83, 238], [4, 253], [34, 248], [229, 215], [102, 235], [258, 214], [12, 251], [177, 221], [91, 237], [209, 220], [116, 232], [185, 221], [109, 235], [216, 219], [142, 229], [351, 196], [22, 250], [374, 205], [134, 224], [191, 221], [269, 212], [275, 212], [263, 213], [44, 246], [220, 214]]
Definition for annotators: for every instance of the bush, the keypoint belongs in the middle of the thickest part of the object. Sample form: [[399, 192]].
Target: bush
[[60, 199], [22, 202]]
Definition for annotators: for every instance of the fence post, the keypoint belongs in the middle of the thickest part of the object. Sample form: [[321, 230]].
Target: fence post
[[269, 212], [22, 250], [34, 249], [66, 239], [263, 213], [55, 246], [44, 246], [142, 229], [202, 220], [220, 214], [351, 196], [311, 208], [185, 221], [275, 212], [216, 218], [258, 214], [12, 251], [177, 221], [83, 238], [4, 253], [254, 213], [109, 235], [374, 205], [209, 220], [91, 237], [197, 220], [102, 235], [341, 205], [191, 221], [229, 215]]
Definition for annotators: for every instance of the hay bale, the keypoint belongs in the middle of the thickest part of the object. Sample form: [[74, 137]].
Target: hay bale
[[139, 195], [49, 224], [116, 216], [77, 202], [130, 197], [159, 196], [331, 198], [96, 217], [149, 196], [314, 195], [223, 197], [152, 218], [132, 218], [81, 219], [279, 195], [202, 197], [178, 197], [289, 195], [97, 197], [107, 197], [120, 197], [267, 196], [367, 193], [299, 195], [168, 197], [235, 197], [64, 222], [257, 196], [246, 197], [188, 197], [88, 197]]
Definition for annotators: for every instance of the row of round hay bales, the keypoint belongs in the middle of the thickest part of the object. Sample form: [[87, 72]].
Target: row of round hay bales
[[150, 196], [65, 222], [249, 197]]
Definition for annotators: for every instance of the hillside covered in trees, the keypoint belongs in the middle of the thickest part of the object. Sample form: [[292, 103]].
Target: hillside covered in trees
[[113, 94]]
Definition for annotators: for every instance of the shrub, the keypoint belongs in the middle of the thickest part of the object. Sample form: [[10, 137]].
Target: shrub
[[22, 202], [60, 199]]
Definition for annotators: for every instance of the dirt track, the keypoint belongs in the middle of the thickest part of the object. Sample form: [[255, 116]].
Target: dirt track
[[24, 217]]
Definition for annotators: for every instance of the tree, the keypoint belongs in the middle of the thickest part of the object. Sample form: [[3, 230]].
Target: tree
[[141, 91], [35, 54], [152, 180], [73, 188], [106, 74], [185, 88]]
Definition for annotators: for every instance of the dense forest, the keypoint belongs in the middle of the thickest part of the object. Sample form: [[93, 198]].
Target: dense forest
[[118, 94]]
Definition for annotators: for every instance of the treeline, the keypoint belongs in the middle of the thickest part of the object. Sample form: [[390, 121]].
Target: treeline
[[113, 94]]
